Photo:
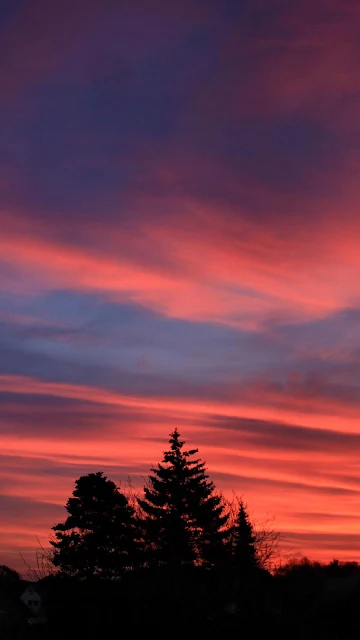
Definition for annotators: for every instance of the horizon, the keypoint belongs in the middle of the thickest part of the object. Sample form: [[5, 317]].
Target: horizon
[[179, 238]]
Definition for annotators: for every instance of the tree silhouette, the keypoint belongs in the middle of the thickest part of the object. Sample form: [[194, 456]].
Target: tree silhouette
[[8, 576], [99, 535], [244, 542], [184, 518]]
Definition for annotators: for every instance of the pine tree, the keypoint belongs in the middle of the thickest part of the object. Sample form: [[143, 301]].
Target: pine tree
[[99, 535], [184, 518], [244, 542]]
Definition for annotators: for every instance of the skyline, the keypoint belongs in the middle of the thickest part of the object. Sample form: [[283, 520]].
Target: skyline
[[179, 238]]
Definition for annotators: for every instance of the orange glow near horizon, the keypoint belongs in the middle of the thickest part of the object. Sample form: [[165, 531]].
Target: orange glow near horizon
[[237, 459]]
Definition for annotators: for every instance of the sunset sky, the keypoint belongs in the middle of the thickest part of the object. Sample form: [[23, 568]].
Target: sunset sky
[[180, 246]]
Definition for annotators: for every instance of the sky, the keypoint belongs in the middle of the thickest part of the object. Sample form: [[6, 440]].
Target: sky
[[179, 246]]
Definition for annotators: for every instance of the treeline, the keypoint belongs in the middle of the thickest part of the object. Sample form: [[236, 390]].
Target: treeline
[[179, 521], [178, 559]]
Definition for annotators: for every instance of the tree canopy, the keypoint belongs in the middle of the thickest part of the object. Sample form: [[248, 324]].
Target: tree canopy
[[244, 542], [184, 519], [178, 521], [98, 538]]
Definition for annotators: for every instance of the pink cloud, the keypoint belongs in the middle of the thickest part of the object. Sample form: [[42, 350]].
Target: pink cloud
[[302, 59], [47, 38], [204, 264]]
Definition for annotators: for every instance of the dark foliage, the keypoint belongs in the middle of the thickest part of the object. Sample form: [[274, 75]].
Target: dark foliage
[[8, 576], [184, 520], [244, 543], [99, 536]]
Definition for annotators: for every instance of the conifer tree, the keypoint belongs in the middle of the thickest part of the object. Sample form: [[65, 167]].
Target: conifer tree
[[99, 536], [184, 518], [244, 542]]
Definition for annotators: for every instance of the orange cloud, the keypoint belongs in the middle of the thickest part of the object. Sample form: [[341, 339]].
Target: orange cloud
[[239, 454]]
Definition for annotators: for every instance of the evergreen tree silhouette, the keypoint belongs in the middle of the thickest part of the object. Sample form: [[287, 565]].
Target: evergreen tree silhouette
[[244, 541], [99, 536], [184, 518]]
